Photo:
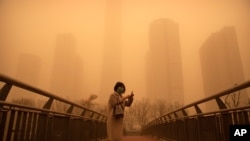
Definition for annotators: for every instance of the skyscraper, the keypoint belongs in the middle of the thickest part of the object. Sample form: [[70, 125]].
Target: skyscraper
[[163, 62], [28, 71], [63, 80], [221, 63], [111, 70]]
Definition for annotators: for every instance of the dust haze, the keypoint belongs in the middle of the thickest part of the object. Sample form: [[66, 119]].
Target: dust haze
[[156, 47]]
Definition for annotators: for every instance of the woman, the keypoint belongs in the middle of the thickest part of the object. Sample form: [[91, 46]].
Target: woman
[[114, 124]]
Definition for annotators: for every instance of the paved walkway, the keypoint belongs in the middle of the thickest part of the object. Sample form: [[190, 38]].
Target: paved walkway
[[138, 138]]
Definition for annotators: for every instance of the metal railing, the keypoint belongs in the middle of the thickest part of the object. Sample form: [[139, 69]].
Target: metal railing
[[25, 123], [178, 125]]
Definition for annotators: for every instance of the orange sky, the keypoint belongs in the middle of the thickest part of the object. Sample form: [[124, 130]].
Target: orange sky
[[31, 27]]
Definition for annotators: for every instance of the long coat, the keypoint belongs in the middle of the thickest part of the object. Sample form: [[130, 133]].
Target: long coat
[[115, 125]]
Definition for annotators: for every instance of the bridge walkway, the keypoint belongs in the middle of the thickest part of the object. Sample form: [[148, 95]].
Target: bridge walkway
[[137, 138]]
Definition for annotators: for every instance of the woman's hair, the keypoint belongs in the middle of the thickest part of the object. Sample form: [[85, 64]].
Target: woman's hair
[[119, 84]]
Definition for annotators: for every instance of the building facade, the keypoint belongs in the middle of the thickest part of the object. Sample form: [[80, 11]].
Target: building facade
[[221, 65], [163, 62]]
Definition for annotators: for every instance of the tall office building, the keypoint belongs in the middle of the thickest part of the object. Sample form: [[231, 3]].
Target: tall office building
[[163, 62], [28, 71], [221, 64], [111, 70], [66, 70]]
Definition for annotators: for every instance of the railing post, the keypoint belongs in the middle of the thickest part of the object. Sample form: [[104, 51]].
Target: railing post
[[5, 91], [83, 113], [92, 115], [175, 115], [184, 112], [169, 116], [220, 103], [70, 110], [48, 104], [197, 109]]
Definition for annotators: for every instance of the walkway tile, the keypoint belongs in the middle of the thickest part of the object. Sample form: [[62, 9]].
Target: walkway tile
[[138, 138]]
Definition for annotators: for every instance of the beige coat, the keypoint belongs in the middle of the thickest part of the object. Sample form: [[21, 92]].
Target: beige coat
[[114, 125]]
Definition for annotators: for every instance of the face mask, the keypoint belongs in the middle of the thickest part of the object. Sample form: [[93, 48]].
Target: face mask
[[120, 90]]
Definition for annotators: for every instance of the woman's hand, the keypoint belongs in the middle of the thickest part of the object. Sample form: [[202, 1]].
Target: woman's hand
[[132, 94], [125, 97], [128, 96]]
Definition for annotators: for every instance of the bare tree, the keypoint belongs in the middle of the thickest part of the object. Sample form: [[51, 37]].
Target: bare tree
[[89, 102], [159, 108], [129, 119], [101, 108], [24, 101], [59, 106], [142, 110], [233, 99]]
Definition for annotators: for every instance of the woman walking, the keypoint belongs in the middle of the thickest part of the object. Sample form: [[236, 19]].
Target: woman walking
[[117, 100]]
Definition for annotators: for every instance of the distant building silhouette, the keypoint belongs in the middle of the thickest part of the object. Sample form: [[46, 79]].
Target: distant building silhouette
[[66, 70], [221, 63], [80, 82], [28, 71], [111, 70], [163, 62]]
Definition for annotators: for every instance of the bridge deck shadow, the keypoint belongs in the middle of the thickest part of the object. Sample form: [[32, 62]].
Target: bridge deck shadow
[[137, 138]]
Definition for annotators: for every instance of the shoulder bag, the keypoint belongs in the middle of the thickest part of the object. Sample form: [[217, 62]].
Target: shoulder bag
[[118, 111]]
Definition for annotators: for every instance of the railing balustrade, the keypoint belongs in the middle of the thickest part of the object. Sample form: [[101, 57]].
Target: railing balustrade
[[20, 122], [179, 125]]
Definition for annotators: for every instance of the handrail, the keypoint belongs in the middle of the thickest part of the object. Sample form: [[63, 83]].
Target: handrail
[[195, 104], [37, 110], [22, 122], [201, 126], [12, 82], [220, 94]]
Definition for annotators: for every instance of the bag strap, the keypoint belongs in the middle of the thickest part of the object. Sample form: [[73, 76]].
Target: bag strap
[[117, 98]]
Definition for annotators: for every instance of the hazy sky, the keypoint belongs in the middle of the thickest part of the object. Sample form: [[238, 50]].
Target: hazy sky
[[32, 27]]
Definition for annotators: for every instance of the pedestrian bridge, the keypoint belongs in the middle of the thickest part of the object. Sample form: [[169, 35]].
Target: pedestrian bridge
[[189, 123]]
